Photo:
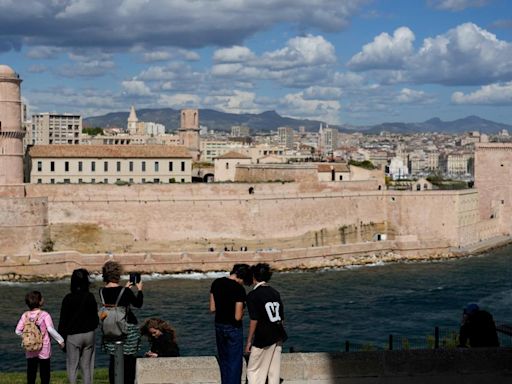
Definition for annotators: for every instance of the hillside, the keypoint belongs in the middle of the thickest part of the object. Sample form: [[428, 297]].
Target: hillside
[[271, 120]]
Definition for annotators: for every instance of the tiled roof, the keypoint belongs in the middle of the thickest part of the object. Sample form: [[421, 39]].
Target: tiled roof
[[232, 155], [109, 151], [338, 167]]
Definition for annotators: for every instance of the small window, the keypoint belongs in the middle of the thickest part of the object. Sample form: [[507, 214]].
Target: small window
[[156, 181], [52, 166], [157, 166], [143, 166], [170, 166], [130, 166], [131, 180], [227, 165], [143, 180], [118, 166], [39, 181], [182, 166], [105, 166], [39, 166], [182, 180], [67, 181], [80, 166], [93, 181], [93, 166], [105, 181], [80, 181], [52, 181]]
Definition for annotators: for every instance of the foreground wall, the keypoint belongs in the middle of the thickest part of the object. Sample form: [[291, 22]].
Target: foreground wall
[[468, 366]]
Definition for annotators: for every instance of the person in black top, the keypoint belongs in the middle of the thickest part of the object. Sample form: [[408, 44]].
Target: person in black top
[[227, 301], [162, 338], [478, 328], [77, 324], [111, 272], [266, 330]]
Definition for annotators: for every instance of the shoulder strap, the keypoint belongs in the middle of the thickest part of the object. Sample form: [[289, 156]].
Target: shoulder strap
[[119, 297], [117, 300]]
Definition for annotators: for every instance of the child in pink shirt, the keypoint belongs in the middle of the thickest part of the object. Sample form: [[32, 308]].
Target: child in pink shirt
[[41, 358]]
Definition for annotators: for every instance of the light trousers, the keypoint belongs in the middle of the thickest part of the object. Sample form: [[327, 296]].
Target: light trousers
[[265, 363], [80, 352]]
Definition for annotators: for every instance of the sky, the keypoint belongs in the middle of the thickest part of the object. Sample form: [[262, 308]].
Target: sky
[[345, 62]]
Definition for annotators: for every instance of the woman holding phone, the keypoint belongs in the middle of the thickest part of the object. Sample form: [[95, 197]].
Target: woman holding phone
[[111, 294]]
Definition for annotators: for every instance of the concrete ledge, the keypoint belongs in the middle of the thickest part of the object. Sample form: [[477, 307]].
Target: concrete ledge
[[468, 366]]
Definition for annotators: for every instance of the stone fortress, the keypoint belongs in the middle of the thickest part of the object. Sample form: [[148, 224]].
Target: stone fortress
[[47, 230]]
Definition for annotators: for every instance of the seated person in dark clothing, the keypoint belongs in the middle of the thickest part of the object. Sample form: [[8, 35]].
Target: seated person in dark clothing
[[477, 328], [162, 338]]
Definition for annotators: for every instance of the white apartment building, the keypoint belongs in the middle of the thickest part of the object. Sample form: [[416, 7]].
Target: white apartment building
[[285, 137], [240, 131], [211, 149], [108, 164], [51, 128]]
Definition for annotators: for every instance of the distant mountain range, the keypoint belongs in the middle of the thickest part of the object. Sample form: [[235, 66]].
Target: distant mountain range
[[270, 121]]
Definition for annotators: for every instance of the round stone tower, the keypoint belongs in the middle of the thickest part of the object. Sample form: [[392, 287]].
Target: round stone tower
[[11, 131]]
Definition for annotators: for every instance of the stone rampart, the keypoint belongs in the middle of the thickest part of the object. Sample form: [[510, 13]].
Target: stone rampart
[[468, 366], [23, 225]]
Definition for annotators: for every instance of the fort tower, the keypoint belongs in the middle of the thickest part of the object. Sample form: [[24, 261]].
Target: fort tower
[[189, 131], [11, 131]]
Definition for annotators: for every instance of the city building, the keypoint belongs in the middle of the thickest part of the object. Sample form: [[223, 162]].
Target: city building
[[189, 131], [333, 172], [55, 128], [141, 128], [225, 165], [285, 137], [328, 140], [11, 130], [240, 131], [108, 164]]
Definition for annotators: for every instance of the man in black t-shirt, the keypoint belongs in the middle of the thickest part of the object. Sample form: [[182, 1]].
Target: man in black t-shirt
[[227, 301], [266, 330]]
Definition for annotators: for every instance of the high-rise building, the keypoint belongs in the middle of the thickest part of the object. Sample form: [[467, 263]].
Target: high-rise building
[[240, 131], [11, 131], [285, 135], [53, 128], [328, 139]]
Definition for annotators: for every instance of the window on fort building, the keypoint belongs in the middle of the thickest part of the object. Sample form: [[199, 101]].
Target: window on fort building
[[105, 181], [39, 166], [170, 166], [67, 181], [227, 165], [131, 180], [52, 166], [156, 181], [182, 166], [157, 166], [341, 177], [105, 166], [93, 181], [93, 166], [39, 181], [182, 180], [52, 181], [80, 166], [118, 166], [143, 180], [143, 166], [80, 181], [130, 166]]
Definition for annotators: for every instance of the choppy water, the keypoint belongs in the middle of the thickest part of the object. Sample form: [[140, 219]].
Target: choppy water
[[322, 308]]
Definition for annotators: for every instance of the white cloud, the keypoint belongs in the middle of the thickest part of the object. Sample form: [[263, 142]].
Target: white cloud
[[464, 55], [135, 88], [411, 96], [456, 5], [43, 52], [298, 105], [235, 54], [385, 52], [493, 94], [179, 100], [233, 102]]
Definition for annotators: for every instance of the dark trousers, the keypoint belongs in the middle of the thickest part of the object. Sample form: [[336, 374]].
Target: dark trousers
[[230, 349], [129, 369], [44, 370]]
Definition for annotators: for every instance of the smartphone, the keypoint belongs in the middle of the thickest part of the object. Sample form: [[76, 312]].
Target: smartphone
[[134, 277]]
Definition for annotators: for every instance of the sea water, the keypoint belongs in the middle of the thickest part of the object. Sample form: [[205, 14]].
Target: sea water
[[323, 308]]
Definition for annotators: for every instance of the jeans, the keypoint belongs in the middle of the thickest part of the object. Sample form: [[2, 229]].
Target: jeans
[[230, 349]]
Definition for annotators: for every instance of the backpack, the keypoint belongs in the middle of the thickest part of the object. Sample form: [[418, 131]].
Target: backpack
[[32, 337], [113, 322]]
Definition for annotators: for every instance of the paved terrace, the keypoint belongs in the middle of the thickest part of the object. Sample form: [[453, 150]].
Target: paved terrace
[[453, 366]]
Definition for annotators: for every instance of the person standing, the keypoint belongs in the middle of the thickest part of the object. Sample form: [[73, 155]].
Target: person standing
[[114, 294], [227, 301], [77, 324], [266, 330], [40, 357]]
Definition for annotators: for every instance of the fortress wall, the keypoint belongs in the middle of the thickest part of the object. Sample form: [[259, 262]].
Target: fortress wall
[[262, 173], [12, 190], [23, 225], [61, 264]]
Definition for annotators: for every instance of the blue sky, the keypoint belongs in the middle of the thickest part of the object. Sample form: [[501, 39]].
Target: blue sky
[[354, 62]]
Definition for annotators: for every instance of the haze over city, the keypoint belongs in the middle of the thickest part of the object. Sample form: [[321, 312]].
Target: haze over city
[[344, 62]]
